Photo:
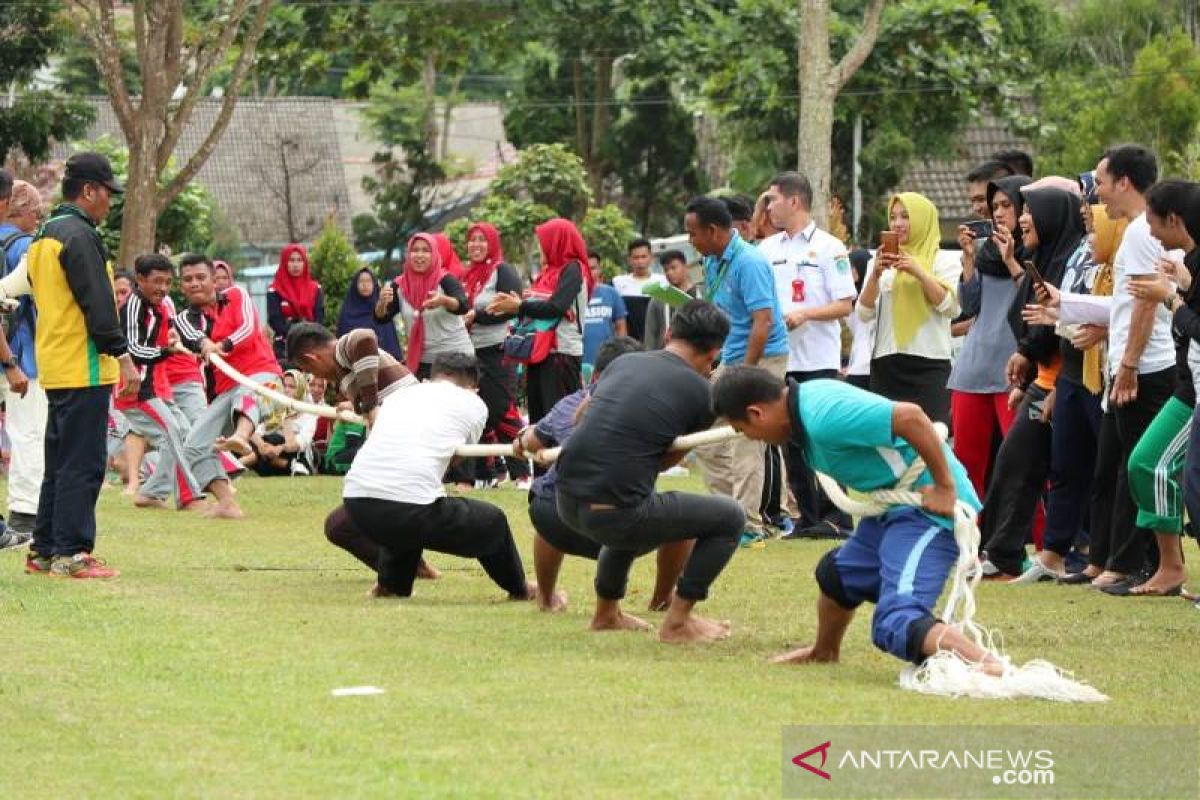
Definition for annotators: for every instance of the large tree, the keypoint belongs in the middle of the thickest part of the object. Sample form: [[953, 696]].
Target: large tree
[[176, 53]]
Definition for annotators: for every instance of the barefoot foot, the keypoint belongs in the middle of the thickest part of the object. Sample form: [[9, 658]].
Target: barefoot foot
[[557, 601], [225, 511], [378, 591], [141, 501], [806, 655], [233, 444], [693, 629], [619, 622], [426, 572]]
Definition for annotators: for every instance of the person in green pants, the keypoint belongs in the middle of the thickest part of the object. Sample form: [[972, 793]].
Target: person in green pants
[[1156, 463]]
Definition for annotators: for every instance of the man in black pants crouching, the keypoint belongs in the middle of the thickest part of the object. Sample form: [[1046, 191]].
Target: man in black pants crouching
[[394, 493], [607, 472]]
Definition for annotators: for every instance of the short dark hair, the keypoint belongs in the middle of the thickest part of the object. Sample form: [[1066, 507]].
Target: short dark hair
[[710, 211], [612, 349], [122, 273], [1017, 161], [638, 244], [6, 184], [1135, 162], [595, 255], [152, 262], [794, 184], [740, 207], [462, 366], [989, 171], [192, 259], [700, 324], [304, 337], [742, 386], [72, 188], [667, 256]]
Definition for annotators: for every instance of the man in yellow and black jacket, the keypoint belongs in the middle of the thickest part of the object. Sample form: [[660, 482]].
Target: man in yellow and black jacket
[[81, 353]]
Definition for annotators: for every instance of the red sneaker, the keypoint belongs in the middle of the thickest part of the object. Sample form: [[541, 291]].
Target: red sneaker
[[82, 566], [37, 565]]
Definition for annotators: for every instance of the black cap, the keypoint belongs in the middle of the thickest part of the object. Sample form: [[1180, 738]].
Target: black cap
[[92, 167]]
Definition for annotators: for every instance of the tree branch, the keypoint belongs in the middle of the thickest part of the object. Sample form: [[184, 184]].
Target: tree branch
[[102, 35], [858, 52], [205, 60], [245, 60]]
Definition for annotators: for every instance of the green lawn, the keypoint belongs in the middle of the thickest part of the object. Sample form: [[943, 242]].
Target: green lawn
[[206, 671]]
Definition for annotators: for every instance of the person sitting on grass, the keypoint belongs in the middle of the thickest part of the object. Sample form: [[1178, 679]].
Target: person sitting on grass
[[281, 443], [899, 560], [365, 375], [552, 537], [394, 492], [608, 468]]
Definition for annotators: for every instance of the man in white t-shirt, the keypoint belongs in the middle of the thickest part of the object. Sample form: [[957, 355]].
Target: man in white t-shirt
[[1141, 363], [629, 286], [816, 291], [394, 493]]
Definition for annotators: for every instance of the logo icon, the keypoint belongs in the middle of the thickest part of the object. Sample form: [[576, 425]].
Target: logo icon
[[823, 749]]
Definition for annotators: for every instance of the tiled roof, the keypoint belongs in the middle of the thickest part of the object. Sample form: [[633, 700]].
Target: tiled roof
[[245, 170], [942, 180]]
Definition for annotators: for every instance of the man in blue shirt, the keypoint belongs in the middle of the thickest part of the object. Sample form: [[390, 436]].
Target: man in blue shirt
[[25, 416], [605, 316], [739, 281], [899, 560]]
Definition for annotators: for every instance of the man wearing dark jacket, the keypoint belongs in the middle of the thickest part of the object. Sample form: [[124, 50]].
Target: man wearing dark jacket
[[81, 352]]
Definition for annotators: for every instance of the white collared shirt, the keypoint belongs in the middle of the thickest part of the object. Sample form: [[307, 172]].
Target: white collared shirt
[[811, 269]]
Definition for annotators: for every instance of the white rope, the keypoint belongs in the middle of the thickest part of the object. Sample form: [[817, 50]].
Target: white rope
[[547, 456], [946, 673]]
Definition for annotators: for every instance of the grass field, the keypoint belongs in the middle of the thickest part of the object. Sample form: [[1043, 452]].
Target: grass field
[[206, 671]]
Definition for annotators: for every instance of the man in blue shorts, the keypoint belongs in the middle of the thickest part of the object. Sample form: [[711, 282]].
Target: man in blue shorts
[[900, 560]]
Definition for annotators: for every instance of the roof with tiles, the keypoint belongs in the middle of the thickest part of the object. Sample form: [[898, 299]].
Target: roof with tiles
[[246, 171]]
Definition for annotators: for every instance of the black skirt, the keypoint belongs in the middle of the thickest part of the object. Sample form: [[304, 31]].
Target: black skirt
[[914, 379]]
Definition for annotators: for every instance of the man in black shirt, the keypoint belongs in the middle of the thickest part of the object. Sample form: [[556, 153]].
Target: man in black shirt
[[608, 468]]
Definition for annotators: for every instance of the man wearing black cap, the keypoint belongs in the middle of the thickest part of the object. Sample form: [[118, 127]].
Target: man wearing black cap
[[81, 353]]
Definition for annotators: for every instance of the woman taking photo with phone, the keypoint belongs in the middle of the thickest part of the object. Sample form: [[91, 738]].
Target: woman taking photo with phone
[[914, 299], [978, 383]]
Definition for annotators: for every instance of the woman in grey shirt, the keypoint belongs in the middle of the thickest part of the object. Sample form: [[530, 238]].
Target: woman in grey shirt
[[488, 274], [432, 304]]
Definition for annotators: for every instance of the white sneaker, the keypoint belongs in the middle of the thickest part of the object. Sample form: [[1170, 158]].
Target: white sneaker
[[299, 469], [1036, 573], [523, 484]]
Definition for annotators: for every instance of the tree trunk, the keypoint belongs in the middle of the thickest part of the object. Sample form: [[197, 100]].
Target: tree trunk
[[448, 105], [581, 130], [139, 218], [601, 119], [814, 145], [429, 85]]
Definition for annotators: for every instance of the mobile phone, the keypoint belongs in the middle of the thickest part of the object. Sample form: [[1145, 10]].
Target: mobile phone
[[1034, 275], [889, 243], [980, 229]]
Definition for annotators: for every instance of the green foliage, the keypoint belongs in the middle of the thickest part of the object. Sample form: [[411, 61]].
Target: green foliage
[[608, 233], [33, 33], [334, 262], [186, 225], [456, 232], [1157, 103], [548, 175], [515, 219]]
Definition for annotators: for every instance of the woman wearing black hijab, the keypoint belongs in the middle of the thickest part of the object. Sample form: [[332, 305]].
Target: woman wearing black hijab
[[1051, 229], [979, 388]]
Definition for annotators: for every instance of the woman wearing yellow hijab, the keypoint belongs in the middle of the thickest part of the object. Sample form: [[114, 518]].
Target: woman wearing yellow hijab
[[914, 302]]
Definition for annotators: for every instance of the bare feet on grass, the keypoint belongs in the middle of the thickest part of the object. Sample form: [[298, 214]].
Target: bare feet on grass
[[197, 507], [378, 591], [618, 620], [427, 572], [141, 501], [555, 601], [806, 655], [693, 629], [225, 511]]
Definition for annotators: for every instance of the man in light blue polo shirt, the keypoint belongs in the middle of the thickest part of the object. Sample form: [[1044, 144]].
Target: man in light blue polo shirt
[[738, 280], [899, 560]]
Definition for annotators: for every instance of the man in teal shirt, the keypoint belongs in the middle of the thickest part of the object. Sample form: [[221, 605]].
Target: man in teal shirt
[[738, 280], [899, 560]]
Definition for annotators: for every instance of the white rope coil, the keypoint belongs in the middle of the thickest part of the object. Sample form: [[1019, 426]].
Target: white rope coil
[[711, 436], [946, 673]]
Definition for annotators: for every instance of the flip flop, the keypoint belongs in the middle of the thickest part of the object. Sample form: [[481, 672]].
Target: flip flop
[[1075, 579]]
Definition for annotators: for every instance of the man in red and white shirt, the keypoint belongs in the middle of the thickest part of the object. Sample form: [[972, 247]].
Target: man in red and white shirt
[[234, 332]]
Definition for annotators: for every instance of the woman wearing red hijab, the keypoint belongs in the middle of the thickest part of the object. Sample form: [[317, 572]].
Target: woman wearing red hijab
[[432, 304], [449, 256], [293, 297], [487, 275], [560, 292]]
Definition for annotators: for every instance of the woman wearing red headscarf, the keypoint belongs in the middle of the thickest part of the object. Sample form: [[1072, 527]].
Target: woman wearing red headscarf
[[431, 302], [293, 297], [449, 256], [487, 275], [560, 292]]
